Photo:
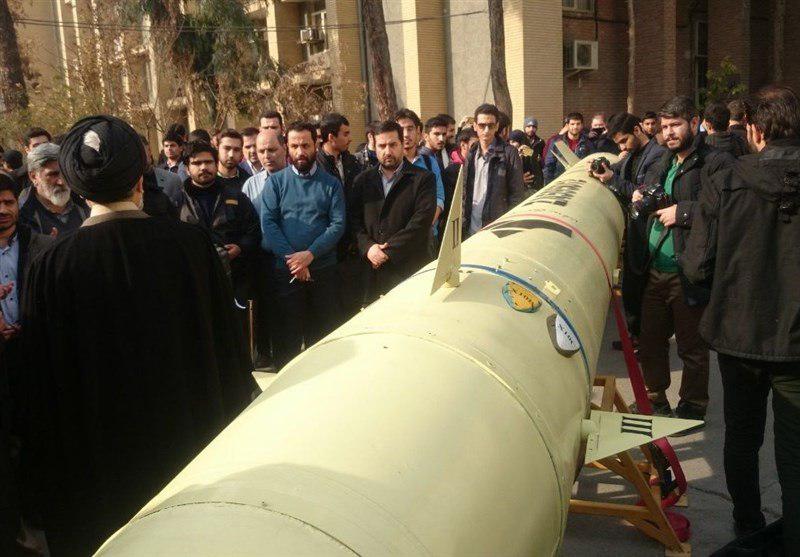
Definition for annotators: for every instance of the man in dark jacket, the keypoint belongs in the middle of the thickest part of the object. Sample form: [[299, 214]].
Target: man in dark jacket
[[624, 178], [670, 305], [537, 143], [493, 183], [391, 212], [334, 157], [576, 139], [715, 121], [745, 237], [225, 212]]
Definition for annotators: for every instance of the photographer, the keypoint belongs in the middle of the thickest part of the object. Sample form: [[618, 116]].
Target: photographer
[[746, 236], [670, 305], [532, 175], [624, 178]]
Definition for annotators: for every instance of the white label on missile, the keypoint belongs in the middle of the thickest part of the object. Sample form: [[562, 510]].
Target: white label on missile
[[566, 339]]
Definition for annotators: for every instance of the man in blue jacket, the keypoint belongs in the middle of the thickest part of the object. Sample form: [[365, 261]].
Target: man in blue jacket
[[302, 219], [578, 141]]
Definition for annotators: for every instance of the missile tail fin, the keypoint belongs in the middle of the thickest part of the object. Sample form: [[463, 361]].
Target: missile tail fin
[[610, 433], [449, 260], [563, 154]]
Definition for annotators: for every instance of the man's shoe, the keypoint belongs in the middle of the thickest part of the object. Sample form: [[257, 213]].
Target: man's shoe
[[745, 528], [690, 411], [659, 409]]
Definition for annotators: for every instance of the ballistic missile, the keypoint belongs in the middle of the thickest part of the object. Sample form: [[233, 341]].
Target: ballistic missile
[[450, 417]]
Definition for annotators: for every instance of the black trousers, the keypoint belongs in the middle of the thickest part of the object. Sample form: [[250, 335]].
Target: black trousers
[[305, 311], [746, 386]]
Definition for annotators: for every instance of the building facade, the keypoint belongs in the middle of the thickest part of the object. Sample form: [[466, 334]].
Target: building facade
[[561, 55]]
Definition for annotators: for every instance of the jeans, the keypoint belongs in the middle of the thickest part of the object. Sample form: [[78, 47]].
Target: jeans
[[746, 385]]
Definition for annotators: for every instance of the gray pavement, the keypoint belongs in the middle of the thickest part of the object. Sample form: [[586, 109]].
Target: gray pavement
[[700, 454]]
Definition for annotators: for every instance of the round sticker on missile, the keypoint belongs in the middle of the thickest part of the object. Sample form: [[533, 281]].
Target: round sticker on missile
[[520, 298], [564, 339]]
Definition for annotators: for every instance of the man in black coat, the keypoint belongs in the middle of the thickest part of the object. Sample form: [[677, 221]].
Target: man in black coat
[[745, 239], [494, 182], [624, 178], [670, 304], [135, 359], [390, 214], [716, 117]]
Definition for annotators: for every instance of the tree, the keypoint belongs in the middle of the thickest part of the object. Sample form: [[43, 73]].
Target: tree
[[724, 83], [385, 95], [497, 37], [631, 56], [12, 78]]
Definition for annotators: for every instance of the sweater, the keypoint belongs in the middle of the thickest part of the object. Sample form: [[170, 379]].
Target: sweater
[[301, 213]]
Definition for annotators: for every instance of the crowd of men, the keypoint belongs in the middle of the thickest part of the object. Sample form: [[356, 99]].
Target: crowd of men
[[130, 285]]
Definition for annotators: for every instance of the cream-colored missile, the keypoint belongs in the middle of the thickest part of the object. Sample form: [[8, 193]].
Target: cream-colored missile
[[447, 418]]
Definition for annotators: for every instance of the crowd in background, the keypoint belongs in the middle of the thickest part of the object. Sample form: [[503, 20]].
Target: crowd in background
[[305, 233]]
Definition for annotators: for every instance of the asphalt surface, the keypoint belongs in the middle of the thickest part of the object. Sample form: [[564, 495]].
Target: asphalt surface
[[700, 453]]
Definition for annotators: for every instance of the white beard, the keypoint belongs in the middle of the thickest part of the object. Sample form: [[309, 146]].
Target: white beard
[[59, 197]]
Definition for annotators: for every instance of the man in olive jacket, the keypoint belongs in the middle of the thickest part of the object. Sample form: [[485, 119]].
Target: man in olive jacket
[[745, 238], [391, 213]]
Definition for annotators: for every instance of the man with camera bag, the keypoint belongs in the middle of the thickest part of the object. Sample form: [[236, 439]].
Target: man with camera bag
[[670, 304], [746, 236]]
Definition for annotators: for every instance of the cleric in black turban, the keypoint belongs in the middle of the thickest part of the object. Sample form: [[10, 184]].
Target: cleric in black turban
[[136, 356], [102, 158]]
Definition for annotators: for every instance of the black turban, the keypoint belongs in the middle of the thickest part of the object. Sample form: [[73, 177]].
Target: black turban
[[102, 158]]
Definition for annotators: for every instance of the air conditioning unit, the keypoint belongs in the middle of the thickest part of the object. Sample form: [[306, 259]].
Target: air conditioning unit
[[581, 55], [310, 35]]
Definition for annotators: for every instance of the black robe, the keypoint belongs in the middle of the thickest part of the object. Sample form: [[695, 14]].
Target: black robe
[[137, 362]]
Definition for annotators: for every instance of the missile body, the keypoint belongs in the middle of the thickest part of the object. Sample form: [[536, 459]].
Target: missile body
[[429, 424]]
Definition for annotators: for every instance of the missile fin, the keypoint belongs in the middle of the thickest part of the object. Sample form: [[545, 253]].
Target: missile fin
[[449, 260], [614, 432], [563, 154]]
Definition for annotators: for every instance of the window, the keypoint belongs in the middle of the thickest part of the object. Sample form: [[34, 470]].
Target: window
[[314, 16], [578, 5], [700, 59]]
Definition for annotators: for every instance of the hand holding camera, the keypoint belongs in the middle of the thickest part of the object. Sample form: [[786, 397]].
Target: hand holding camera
[[600, 168]]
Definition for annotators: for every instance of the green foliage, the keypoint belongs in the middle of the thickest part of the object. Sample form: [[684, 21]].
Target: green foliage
[[723, 84]]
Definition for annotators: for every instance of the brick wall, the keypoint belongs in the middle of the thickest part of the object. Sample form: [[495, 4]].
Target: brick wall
[[656, 57], [606, 89], [791, 45]]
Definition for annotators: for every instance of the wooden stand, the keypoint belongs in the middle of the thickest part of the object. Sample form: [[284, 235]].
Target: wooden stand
[[648, 518]]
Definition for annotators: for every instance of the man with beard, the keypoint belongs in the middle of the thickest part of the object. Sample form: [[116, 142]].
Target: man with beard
[[135, 358], [435, 134], [229, 155], [303, 218], [52, 208], [226, 213], [670, 304], [390, 213]]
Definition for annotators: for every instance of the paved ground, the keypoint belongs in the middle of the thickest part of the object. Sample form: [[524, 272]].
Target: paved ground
[[701, 456]]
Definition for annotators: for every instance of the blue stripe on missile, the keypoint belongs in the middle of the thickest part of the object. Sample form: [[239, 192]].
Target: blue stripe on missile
[[544, 297]]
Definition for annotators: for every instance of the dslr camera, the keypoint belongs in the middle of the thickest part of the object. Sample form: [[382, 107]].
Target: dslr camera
[[600, 165], [654, 197]]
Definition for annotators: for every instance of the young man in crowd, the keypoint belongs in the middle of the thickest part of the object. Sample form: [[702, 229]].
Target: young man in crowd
[[250, 162], [575, 138], [366, 156], [229, 155], [670, 304], [146, 298], [715, 120], [745, 234], [450, 142], [650, 124], [172, 144], [736, 122], [435, 134], [51, 208], [537, 143], [597, 134], [162, 189], [412, 134], [303, 218], [494, 174], [272, 120], [390, 214]]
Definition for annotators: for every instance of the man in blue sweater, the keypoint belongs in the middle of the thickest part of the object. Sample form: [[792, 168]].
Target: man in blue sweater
[[302, 219]]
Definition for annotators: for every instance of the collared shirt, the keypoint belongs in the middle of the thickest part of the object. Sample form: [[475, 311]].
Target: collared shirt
[[254, 186], [116, 206], [389, 182], [309, 173], [340, 167], [9, 259], [479, 189]]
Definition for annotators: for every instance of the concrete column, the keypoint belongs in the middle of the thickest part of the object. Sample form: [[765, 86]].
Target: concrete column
[[424, 57], [347, 76], [534, 62], [729, 35], [283, 21]]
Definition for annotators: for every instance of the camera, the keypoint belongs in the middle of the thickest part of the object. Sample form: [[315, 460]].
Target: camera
[[654, 197], [600, 165]]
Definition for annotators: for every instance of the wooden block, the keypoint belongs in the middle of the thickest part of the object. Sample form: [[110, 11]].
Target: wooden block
[[683, 501], [685, 551]]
